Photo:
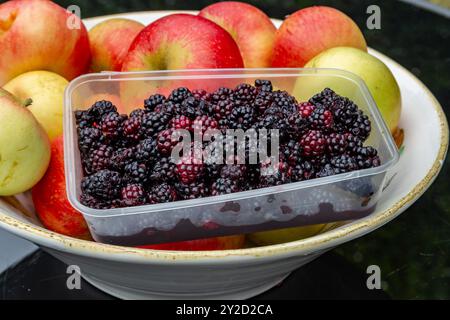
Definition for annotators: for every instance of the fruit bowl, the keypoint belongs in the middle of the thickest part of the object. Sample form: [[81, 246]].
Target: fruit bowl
[[234, 274]]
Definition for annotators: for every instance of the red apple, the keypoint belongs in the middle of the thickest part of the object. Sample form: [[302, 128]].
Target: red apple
[[182, 41], [50, 199], [110, 41], [309, 31], [218, 243], [34, 35], [177, 41], [251, 28]]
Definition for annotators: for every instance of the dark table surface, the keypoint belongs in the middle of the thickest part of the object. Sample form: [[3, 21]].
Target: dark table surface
[[413, 251]]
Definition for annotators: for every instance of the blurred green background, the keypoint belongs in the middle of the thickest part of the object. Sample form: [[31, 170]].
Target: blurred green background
[[414, 250]]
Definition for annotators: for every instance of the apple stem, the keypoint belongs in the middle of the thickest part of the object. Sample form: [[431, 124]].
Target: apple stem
[[28, 102]]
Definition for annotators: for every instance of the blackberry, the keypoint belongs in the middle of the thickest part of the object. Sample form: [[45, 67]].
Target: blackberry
[[213, 160], [89, 138], [146, 150], [221, 110], [273, 121], [180, 94], [132, 125], [326, 171], [133, 195], [285, 101], [264, 85], [121, 143], [321, 119], [104, 184], [313, 143], [325, 98], [242, 117], [154, 122], [274, 110], [367, 151], [233, 172], [94, 203], [275, 179], [361, 126], [181, 122], [83, 119], [302, 171], [336, 143], [367, 157], [320, 161], [163, 170], [136, 172], [344, 163], [244, 94], [204, 123], [165, 143], [252, 176], [112, 125], [296, 125], [344, 112], [221, 94], [169, 108], [162, 193], [137, 113], [154, 101], [212, 170], [305, 109], [192, 107], [224, 186], [274, 174], [121, 157], [98, 159], [189, 169], [353, 143], [292, 152], [192, 190], [101, 108], [263, 101], [97, 203], [201, 94]]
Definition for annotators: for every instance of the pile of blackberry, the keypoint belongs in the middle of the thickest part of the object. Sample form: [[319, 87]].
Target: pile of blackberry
[[127, 158]]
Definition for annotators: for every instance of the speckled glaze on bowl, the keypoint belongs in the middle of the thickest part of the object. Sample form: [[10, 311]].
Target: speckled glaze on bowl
[[131, 273]]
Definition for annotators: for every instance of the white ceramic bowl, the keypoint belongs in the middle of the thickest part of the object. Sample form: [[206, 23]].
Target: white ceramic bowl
[[235, 274]]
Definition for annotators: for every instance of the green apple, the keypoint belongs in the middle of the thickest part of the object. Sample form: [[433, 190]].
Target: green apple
[[266, 238], [45, 91], [377, 76], [24, 147]]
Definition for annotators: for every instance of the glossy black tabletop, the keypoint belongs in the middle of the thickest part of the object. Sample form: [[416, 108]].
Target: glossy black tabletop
[[413, 251]]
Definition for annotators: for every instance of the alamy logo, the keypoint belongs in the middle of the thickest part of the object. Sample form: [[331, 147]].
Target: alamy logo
[[374, 20], [374, 280], [73, 21], [73, 282]]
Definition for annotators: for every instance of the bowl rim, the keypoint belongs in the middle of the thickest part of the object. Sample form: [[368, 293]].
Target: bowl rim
[[322, 241]]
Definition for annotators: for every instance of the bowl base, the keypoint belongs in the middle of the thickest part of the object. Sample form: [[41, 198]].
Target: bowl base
[[126, 293]]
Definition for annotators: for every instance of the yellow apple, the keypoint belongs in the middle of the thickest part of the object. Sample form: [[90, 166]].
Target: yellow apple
[[24, 147], [377, 76], [45, 91], [266, 238]]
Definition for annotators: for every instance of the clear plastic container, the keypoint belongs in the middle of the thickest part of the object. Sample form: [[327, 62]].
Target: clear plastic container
[[341, 197]]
